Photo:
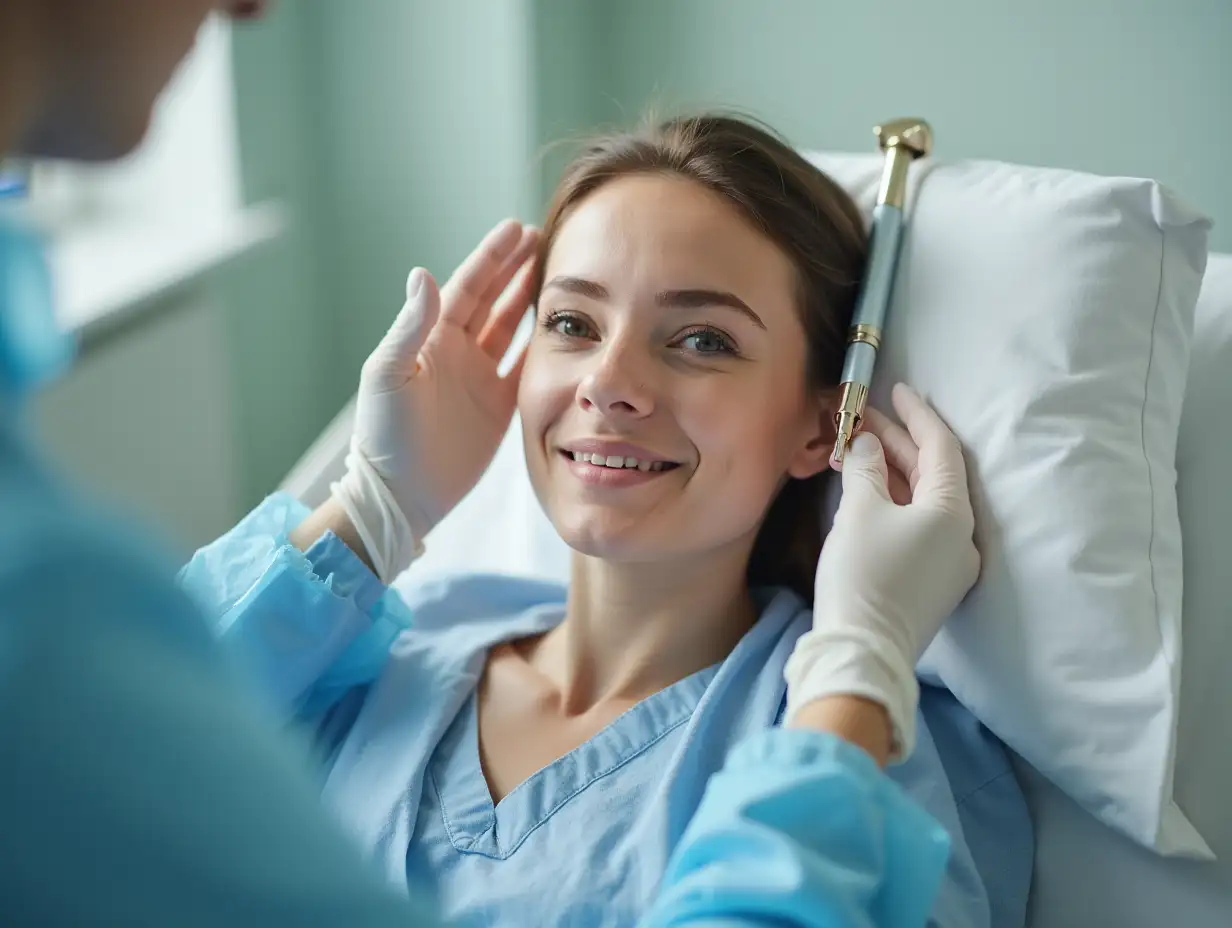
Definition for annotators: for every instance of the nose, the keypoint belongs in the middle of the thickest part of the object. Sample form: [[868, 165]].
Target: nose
[[618, 382]]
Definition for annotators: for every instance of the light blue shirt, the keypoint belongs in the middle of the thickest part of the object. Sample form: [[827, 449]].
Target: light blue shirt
[[390, 702]]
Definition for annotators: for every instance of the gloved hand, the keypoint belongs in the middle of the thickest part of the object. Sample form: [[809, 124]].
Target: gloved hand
[[432, 408], [890, 572]]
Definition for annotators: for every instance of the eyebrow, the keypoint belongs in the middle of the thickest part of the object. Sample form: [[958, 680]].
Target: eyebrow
[[670, 299]]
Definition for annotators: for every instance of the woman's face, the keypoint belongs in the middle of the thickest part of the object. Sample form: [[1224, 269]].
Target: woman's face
[[668, 336]]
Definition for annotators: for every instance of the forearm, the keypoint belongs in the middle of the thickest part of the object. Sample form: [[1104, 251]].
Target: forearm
[[856, 720]]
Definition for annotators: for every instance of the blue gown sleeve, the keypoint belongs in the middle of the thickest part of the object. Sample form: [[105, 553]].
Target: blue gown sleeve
[[308, 626], [142, 783], [802, 829]]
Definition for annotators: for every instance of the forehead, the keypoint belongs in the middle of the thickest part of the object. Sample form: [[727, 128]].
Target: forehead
[[654, 231]]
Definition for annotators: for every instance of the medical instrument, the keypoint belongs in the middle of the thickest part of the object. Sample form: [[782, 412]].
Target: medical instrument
[[902, 140]]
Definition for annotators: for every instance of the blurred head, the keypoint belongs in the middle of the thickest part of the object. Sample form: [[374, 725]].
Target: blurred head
[[101, 67], [696, 282]]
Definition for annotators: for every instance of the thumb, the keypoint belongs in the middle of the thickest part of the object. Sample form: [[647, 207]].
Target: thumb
[[395, 358], [864, 466]]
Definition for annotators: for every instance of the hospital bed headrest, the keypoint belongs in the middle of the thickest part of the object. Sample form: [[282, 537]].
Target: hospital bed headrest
[[1085, 873]]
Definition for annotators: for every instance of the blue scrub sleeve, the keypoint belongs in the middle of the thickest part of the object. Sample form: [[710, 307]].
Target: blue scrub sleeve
[[308, 626], [141, 784], [802, 829]]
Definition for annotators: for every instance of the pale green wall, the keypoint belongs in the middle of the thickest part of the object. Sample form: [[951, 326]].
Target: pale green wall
[[398, 131], [1139, 87], [426, 143], [281, 327], [570, 75]]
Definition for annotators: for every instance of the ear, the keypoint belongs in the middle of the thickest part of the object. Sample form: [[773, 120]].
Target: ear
[[813, 455]]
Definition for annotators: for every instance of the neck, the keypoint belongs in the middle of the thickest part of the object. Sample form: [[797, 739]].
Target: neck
[[19, 72], [631, 630]]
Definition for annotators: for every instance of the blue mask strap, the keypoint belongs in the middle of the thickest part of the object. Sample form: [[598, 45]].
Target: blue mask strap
[[33, 349]]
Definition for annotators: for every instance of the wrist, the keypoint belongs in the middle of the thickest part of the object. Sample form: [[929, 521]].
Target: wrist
[[857, 720], [378, 522], [856, 661], [330, 516]]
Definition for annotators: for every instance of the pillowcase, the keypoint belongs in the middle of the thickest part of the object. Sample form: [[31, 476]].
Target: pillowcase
[[1048, 316]]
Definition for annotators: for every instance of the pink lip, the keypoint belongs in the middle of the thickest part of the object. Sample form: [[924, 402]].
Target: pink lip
[[596, 475], [612, 449]]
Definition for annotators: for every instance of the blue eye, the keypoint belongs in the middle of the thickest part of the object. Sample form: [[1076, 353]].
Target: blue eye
[[708, 341]]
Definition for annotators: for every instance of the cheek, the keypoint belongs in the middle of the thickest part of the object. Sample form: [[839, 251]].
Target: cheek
[[544, 393], [745, 437], [741, 418]]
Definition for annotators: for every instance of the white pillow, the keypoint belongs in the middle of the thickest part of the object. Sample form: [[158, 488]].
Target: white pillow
[[1085, 874], [1048, 315]]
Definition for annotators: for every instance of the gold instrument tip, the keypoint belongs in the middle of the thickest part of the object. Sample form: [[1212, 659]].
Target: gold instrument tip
[[911, 133], [846, 429]]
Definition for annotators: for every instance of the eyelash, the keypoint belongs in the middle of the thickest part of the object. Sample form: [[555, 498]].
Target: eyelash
[[728, 347]]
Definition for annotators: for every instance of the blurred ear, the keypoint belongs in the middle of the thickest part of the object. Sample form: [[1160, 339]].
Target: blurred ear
[[813, 455]]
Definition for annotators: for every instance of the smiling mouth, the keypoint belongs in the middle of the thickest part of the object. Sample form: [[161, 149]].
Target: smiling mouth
[[617, 462]]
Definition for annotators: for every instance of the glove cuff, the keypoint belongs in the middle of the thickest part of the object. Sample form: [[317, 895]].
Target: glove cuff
[[856, 662], [378, 519]]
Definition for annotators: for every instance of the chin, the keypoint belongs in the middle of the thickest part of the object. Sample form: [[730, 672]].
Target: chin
[[107, 137], [600, 538], [116, 140]]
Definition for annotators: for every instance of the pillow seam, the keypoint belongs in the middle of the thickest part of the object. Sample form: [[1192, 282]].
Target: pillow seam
[[1146, 398], [1163, 794]]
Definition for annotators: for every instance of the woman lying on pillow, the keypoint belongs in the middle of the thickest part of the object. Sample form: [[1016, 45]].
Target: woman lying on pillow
[[536, 754]]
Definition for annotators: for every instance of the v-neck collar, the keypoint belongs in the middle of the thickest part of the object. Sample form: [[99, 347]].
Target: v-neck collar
[[476, 825]]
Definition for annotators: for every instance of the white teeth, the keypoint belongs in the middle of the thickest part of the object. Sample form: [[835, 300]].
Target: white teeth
[[617, 461]]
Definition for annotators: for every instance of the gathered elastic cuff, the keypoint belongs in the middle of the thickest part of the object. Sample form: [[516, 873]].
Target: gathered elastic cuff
[[802, 828], [801, 747], [341, 569], [306, 625]]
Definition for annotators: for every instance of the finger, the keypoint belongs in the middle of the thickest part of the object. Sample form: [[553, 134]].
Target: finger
[[463, 293], [942, 469], [501, 283], [395, 359], [864, 467], [900, 490], [497, 337], [900, 451]]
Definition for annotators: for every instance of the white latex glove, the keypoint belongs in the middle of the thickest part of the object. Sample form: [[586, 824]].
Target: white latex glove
[[432, 408], [890, 572]]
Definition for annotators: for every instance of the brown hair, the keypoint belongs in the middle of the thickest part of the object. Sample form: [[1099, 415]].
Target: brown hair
[[805, 213]]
